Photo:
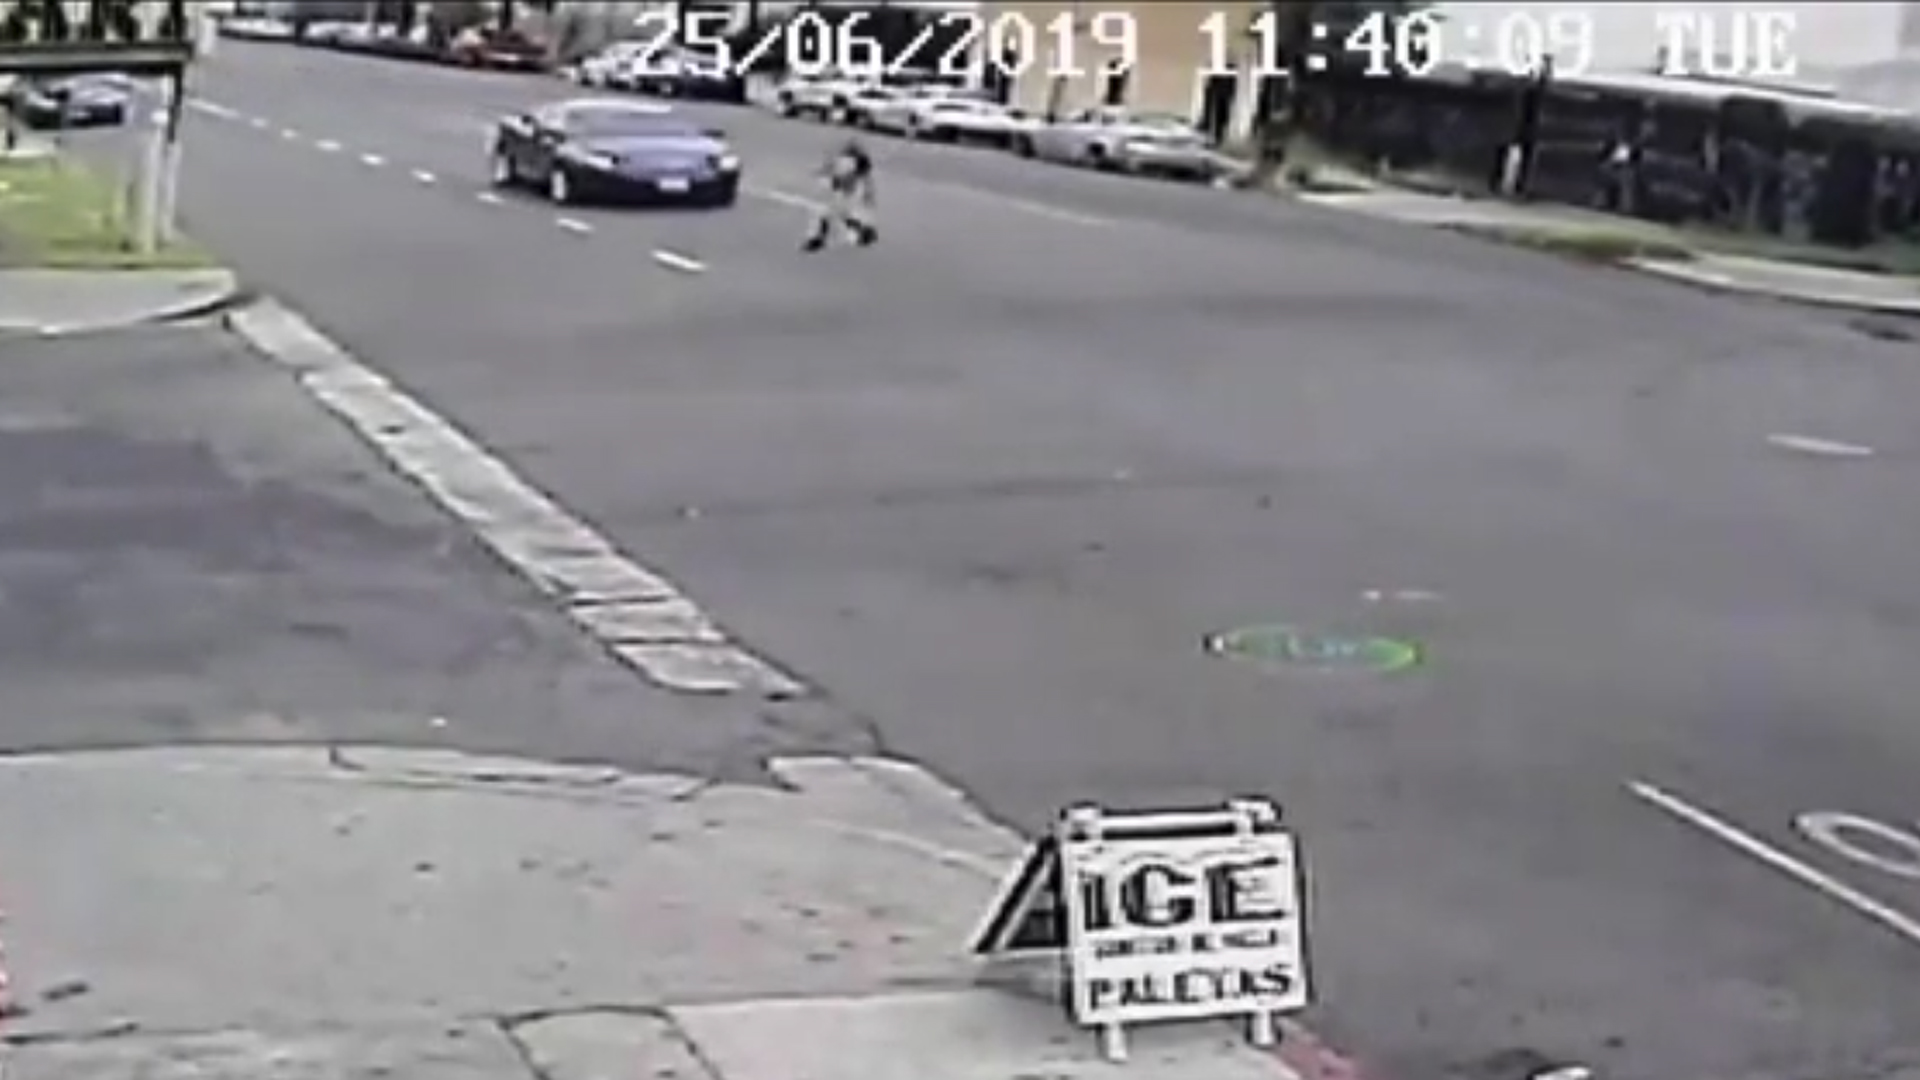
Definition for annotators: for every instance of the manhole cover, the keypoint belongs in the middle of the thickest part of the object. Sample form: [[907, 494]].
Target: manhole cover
[[1301, 649]]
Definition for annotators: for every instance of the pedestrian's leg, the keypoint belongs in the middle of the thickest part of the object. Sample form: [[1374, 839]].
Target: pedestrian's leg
[[817, 233]]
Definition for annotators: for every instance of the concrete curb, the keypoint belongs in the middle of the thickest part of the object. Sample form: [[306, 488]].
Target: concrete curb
[[234, 295], [1705, 277], [640, 617]]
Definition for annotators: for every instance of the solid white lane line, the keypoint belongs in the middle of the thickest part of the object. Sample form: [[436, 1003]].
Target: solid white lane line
[[573, 225], [1807, 444], [327, 146], [488, 197], [1773, 858], [422, 176], [372, 161], [673, 260]]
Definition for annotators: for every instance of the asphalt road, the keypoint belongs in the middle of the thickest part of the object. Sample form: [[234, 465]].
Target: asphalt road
[[192, 551], [991, 483]]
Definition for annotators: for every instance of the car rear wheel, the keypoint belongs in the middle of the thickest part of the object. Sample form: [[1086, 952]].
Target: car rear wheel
[[559, 186]]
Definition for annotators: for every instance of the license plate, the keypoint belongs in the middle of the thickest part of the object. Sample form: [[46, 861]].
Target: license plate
[[676, 184]]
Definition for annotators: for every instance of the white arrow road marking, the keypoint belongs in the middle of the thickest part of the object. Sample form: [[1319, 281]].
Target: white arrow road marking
[[1773, 858]]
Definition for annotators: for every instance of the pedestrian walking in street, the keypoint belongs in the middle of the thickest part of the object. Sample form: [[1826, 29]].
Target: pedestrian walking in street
[[848, 173]]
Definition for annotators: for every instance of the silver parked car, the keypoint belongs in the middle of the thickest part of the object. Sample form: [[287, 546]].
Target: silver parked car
[[1118, 140]]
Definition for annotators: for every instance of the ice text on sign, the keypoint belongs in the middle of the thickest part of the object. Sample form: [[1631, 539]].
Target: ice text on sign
[[1227, 907]]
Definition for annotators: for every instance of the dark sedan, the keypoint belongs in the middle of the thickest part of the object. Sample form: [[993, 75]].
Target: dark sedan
[[72, 102], [591, 150]]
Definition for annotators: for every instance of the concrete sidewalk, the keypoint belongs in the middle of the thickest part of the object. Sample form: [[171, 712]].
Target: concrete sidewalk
[[55, 302], [267, 913], [1824, 286]]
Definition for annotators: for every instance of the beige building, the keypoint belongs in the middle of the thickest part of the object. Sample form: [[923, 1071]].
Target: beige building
[[1196, 60]]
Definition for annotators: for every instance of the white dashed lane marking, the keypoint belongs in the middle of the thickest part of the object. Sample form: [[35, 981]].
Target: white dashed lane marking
[[1807, 444], [289, 134], [489, 197], [673, 260], [327, 146], [372, 161], [422, 176], [574, 225]]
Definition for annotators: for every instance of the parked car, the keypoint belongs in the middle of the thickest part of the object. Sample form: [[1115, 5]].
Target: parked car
[[955, 119], [72, 101], [826, 97], [256, 29], [609, 66], [888, 107], [688, 73], [590, 149], [505, 50], [1118, 140]]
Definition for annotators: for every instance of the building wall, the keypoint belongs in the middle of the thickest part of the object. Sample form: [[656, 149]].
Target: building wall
[[1064, 73]]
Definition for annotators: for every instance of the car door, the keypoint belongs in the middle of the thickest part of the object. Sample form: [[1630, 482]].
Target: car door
[[1062, 139]]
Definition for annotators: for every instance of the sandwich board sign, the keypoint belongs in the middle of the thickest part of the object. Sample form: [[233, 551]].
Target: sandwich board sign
[[1184, 915]]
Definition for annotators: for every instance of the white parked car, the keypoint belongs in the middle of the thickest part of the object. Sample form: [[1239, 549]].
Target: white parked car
[[826, 98], [1118, 140], [961, 119], [891, 108], [611, 66]]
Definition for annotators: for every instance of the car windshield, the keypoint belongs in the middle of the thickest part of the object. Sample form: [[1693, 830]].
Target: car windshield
[[617, 122]]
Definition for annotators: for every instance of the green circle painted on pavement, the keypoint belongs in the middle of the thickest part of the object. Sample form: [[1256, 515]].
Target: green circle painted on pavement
[[1296, 647]]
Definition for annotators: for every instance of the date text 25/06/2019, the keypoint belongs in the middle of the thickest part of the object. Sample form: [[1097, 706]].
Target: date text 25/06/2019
[[950, 45]]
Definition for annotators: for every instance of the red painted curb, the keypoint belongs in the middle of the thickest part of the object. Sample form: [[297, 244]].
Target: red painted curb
[[1311, 1058]]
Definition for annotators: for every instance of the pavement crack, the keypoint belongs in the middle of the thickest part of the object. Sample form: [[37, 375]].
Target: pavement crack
[[1004, 490]]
